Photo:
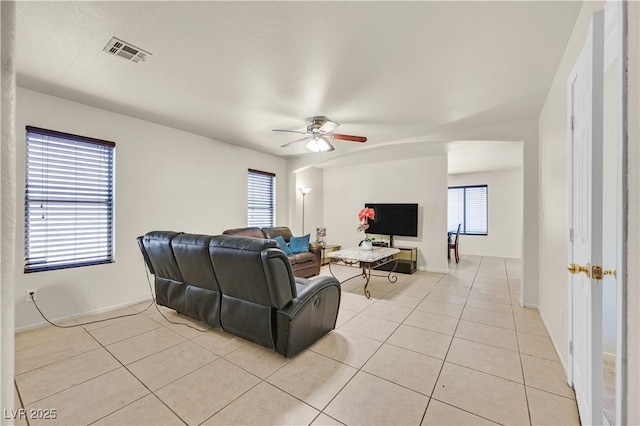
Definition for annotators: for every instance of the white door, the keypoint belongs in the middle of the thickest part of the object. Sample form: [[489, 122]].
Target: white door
[[585, 220]]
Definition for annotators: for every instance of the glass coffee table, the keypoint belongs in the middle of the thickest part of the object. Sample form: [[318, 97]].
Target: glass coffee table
[[365, 260]]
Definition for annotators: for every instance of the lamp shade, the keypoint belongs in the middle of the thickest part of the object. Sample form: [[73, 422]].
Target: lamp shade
[[318, 145]]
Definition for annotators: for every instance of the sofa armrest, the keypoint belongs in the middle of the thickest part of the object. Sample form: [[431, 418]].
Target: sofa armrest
[[307, 288], [315, 247], [309, 316]]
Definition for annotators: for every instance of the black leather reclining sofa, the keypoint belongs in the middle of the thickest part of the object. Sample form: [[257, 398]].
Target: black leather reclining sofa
[[243, 285]]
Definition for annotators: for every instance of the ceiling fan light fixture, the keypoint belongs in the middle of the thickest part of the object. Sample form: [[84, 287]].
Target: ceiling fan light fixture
[[318, 133], [318, 145]]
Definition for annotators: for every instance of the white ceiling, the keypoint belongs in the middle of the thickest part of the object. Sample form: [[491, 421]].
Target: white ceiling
[[233, 71]]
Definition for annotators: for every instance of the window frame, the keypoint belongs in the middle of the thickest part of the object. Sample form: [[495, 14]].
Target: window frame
[[272, 201], [57, 202], [463, 228]]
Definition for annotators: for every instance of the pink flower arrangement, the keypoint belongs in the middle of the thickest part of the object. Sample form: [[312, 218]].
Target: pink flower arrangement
[[364, 216]]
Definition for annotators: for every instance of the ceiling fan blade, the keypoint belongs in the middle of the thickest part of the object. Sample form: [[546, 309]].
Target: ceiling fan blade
[[290, 131], [328, 126], [296, 141], [348, 137]]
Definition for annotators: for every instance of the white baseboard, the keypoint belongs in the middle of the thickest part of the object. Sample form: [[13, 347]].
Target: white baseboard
[[83, 314], [555, 346], [462, 254]]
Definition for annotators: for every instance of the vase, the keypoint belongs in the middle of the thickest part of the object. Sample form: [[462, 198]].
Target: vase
[[366, 245]]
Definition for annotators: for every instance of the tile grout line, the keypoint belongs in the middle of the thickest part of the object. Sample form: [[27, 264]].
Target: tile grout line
[[261, 380], [321, 411], [435, 383], [466, 411], [140, 381], [414, 309], [524, 379], [359, 369], [17, 390]]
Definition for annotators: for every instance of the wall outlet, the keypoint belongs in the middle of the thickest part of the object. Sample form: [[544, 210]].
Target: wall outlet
[[28, 295]]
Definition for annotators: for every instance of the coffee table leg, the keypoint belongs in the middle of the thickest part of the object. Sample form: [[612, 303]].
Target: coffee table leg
[[366, 274], [330, 271], [391, 277]]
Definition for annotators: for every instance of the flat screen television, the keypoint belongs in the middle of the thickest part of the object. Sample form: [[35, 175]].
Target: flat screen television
[[394, 219]]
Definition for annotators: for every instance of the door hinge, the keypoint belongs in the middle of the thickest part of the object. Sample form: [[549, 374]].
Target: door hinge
[[570, 235], [571, 347], [573, 123]]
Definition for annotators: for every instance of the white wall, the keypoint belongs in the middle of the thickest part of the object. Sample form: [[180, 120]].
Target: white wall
[[7, 207], [554, 234], [165, 180], [504, 237], [422, 181], [525, 131]]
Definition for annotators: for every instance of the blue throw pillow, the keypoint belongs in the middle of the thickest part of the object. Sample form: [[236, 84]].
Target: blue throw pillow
[[283, 245], [299, 244]]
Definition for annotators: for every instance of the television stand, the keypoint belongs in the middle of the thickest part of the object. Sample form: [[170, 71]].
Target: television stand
[[407, 261], [384, 243]]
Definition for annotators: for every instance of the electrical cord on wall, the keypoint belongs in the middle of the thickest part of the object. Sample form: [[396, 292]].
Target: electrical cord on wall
[[153, 303]]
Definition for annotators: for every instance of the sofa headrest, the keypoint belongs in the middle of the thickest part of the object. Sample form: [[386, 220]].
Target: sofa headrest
[[278, 231], [242, 243], [252, 269], [192, 254], [245, 232], [192, 239], [161, 235], [158, 250]]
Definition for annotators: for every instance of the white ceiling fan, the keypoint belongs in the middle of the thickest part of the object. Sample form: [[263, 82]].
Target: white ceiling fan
[[319, 131]]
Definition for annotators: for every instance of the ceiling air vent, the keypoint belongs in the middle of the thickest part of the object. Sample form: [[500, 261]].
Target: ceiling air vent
[[125, 50]]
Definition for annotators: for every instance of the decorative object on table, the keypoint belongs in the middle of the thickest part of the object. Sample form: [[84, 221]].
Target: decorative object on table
[[364, 216], [304, 192], [367, 244], [321, 233]]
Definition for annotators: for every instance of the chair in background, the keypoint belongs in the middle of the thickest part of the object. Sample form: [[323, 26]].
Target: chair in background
[[453, 245]]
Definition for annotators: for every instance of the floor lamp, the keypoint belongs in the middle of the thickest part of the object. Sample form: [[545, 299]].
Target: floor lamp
[[303, 191]]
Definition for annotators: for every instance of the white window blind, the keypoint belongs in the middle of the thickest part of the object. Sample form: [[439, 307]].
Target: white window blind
[[68, 200], [468, 205], [261, 200]]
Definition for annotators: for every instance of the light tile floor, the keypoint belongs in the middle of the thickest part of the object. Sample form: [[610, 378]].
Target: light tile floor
[[429, 349]]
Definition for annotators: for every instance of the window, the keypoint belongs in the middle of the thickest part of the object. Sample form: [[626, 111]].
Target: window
[[261, 200], [468, 206], [68, 201]]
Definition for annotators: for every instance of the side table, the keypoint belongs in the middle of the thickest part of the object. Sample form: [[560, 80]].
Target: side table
[[328, 248]]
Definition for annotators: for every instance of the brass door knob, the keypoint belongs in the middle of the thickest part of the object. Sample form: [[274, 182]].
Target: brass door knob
[[574, 268], [598, 272]]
